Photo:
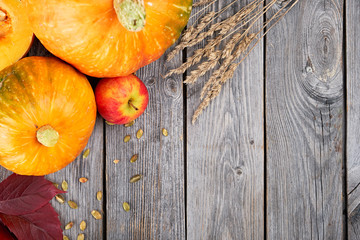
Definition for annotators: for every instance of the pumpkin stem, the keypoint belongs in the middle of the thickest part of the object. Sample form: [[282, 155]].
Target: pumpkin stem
[[131, 14], [5, 23], [2, 15], [47, 136]]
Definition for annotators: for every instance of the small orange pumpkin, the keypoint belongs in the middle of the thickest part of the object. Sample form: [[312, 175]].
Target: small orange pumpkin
[[108, 38], [47, 114], [15, 32]]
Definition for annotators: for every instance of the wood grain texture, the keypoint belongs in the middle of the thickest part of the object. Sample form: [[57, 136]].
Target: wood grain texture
[[225, 154], [157, 201], [84, 194], [353, 116], [304, 123]]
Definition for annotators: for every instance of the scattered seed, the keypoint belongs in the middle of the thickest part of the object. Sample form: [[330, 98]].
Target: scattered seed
[[135, 178], [86, 153], [109, 123], [134, 158], [116, 161], [81, 236], [64, 185], [60, 198], [127, 138], [69, 225], [99, 195], [55, 185], [126, 206], [65, 238], [83, 180], [72, 204], [96, 214], [129, 124], [139, 133], [164, 132], [82, 225]]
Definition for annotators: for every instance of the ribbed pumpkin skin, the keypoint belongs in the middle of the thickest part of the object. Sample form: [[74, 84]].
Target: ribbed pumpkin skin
[[38, 91], [88, 34]]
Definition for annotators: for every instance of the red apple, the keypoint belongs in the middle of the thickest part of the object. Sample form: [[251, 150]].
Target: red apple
[[121, 99]]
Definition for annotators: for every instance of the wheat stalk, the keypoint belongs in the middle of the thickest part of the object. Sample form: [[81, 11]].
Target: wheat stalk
[[240, 27]]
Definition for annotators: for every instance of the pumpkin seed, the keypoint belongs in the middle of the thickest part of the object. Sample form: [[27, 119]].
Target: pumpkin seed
[[135, 178], [65, 238], [64, 185], [82, 225], [127, 138], [129, 124], [96, 214], [109, 123], [81, 236], [139, 133], [60, 198], [116, 161], [164, 132], [83, 180], [55, 185], [86, 153], [69, 225], [99, 195], [72, 204], [134, 158], [126, 206]]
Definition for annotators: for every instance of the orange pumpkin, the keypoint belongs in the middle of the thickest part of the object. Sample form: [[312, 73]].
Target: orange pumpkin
[[15, 32], [108, 38], [47, 114]]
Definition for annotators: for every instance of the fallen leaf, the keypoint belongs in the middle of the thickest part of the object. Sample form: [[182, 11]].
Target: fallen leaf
[[5, 233], [44, 223], [20, 195]]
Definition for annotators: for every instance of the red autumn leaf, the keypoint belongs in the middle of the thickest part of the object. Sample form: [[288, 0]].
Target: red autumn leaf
[[4, 233], [43, 224], [24, 194]]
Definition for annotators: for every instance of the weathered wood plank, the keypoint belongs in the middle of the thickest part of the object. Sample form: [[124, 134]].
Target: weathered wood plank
[[353, 116], [225, 155], [157, 201], [84, 194], [304, 123]]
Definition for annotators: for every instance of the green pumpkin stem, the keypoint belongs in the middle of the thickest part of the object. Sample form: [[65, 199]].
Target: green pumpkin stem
[[131, 14], [47, 136]]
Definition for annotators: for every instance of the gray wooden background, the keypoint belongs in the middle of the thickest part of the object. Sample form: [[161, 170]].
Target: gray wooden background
[[275, 156]]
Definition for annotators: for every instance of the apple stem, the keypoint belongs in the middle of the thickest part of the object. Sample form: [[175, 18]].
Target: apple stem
[[131, 104]]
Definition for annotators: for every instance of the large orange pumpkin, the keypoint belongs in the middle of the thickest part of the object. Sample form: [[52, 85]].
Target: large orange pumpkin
[[108, 38], [47, 114]]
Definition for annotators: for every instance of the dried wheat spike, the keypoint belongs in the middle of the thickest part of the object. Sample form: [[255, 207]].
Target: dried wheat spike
[[196, 57], [229, 58], [204, 67], [191, 33]]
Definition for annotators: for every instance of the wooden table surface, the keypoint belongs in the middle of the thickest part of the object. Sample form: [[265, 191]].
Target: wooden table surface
[[275, 156]]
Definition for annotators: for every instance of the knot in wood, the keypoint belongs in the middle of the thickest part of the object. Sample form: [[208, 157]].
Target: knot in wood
[[149, 81], [172, 87]]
